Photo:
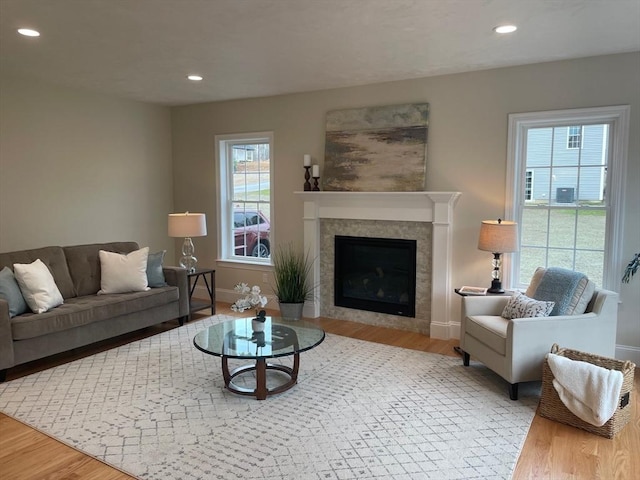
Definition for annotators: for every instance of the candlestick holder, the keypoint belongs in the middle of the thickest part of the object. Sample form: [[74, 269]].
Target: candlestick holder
[[307, 176], [315, 184]]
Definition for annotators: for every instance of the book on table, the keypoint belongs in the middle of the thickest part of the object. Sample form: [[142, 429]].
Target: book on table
[[469, 290]]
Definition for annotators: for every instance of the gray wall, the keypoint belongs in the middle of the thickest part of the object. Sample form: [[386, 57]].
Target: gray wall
[[466, 151], [77, 167]]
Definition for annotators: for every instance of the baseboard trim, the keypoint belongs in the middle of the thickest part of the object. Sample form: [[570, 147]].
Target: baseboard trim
[[628, 352]]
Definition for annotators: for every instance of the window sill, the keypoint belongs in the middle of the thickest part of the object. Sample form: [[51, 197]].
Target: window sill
[[244, 265]]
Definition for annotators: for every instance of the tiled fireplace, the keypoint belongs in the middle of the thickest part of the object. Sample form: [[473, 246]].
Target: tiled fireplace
[[422, 216], [419, 231]]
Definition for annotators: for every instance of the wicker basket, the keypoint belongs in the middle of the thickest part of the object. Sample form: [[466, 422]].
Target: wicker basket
[[552, 407]]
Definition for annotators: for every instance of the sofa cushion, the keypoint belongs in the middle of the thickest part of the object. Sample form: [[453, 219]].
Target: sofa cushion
[[490, 330], [80, 311], [37, 286], [63, 317], [109, 306], [521, 306], [84, 264], [10, 291], [571, 291], [155, 274], [121, 273], [52, 257]]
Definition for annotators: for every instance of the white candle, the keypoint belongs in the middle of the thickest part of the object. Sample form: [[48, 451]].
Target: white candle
[[316, 171], [307, 160]]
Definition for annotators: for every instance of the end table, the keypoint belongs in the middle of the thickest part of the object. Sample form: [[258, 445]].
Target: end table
[[208, 275]]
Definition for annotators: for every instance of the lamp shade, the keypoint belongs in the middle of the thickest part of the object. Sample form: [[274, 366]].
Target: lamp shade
[[187, 224], [498, 236]]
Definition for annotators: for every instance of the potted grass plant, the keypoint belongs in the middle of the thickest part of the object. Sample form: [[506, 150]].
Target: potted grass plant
[[291, 269]]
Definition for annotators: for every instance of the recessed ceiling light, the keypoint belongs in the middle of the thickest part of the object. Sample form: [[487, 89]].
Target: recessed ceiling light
[[195, 78], [28, 32], [505, 29]]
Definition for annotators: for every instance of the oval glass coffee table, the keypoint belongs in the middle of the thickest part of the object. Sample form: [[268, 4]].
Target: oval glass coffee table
[[280, 338]]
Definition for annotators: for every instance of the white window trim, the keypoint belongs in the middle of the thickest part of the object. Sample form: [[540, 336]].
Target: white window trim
[[618, 117], [225, 219]]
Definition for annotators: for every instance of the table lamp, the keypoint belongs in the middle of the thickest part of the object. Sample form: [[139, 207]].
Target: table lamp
[[187, 225], [498, 237]]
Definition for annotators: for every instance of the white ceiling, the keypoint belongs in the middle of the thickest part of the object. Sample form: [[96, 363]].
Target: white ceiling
[[143, 49]]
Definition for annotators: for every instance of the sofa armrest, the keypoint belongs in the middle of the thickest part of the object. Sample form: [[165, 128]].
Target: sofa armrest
[[177, 277], [6, 338]]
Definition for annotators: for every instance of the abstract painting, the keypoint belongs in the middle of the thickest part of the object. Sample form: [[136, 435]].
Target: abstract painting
[[376, 149]]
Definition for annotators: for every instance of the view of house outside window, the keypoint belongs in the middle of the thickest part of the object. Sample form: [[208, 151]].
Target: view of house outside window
[[564, 210], [245, 197], [565, 189]]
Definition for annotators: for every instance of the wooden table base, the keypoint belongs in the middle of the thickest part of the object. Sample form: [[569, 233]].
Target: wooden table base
[[261, 366]]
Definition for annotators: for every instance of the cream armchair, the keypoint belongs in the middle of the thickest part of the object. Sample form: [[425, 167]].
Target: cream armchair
[[515, 349]]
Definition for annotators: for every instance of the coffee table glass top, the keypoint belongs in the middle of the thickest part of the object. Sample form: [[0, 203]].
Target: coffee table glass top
[[237, 339]]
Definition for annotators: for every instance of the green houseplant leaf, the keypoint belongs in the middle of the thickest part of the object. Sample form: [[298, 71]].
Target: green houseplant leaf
[[632, 268], [291, 270]]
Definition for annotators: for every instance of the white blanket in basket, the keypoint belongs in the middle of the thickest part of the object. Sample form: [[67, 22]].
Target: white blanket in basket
[[590, 392]]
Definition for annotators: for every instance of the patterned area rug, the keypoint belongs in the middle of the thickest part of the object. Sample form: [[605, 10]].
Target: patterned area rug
[[157, 408]]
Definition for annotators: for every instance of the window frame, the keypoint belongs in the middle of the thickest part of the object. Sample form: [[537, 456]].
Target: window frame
[[224, 166], [618, 119]]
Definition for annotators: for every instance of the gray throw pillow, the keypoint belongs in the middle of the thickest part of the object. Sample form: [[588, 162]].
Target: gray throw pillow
[[10, 291], [155, 275]]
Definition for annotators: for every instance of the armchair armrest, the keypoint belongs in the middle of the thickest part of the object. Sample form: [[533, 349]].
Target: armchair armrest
[[529, 339], [177, 277], [6, 338], [490, 305], [587, 332]]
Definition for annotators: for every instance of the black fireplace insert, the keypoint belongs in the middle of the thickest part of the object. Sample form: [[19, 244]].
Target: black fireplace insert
[[376, 274]]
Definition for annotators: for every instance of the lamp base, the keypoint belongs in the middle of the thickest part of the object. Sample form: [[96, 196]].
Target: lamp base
[[189, 262], [496, 287]]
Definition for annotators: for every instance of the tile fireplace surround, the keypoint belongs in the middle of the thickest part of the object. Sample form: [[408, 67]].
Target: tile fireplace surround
[[435, 208]]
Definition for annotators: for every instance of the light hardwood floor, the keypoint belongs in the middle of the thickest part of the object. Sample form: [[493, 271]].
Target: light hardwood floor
[[551, 451]]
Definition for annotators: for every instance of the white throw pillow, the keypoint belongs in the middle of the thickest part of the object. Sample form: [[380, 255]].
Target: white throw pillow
[[37, 285], [123, 273]]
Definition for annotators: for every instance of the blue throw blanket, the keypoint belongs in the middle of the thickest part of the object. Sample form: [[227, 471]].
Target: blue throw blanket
[[558, 285]]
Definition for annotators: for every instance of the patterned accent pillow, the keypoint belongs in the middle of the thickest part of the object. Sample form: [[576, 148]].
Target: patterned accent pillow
[[521, 306]]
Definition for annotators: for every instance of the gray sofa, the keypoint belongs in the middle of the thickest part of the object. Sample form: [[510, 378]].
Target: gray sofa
[[84, 317]]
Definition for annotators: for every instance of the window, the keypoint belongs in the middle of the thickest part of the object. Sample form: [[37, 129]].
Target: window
[[574, 137], [528, 184], [571, 215], [244, 180]]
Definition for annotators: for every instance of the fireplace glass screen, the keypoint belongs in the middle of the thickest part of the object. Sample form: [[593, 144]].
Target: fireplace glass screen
[[376, 274]]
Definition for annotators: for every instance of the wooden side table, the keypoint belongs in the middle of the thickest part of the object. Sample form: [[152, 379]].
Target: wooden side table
[[208, 275]]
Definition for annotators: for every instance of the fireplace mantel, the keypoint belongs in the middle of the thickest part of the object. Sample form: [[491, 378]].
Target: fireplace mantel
[[430, 207]]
